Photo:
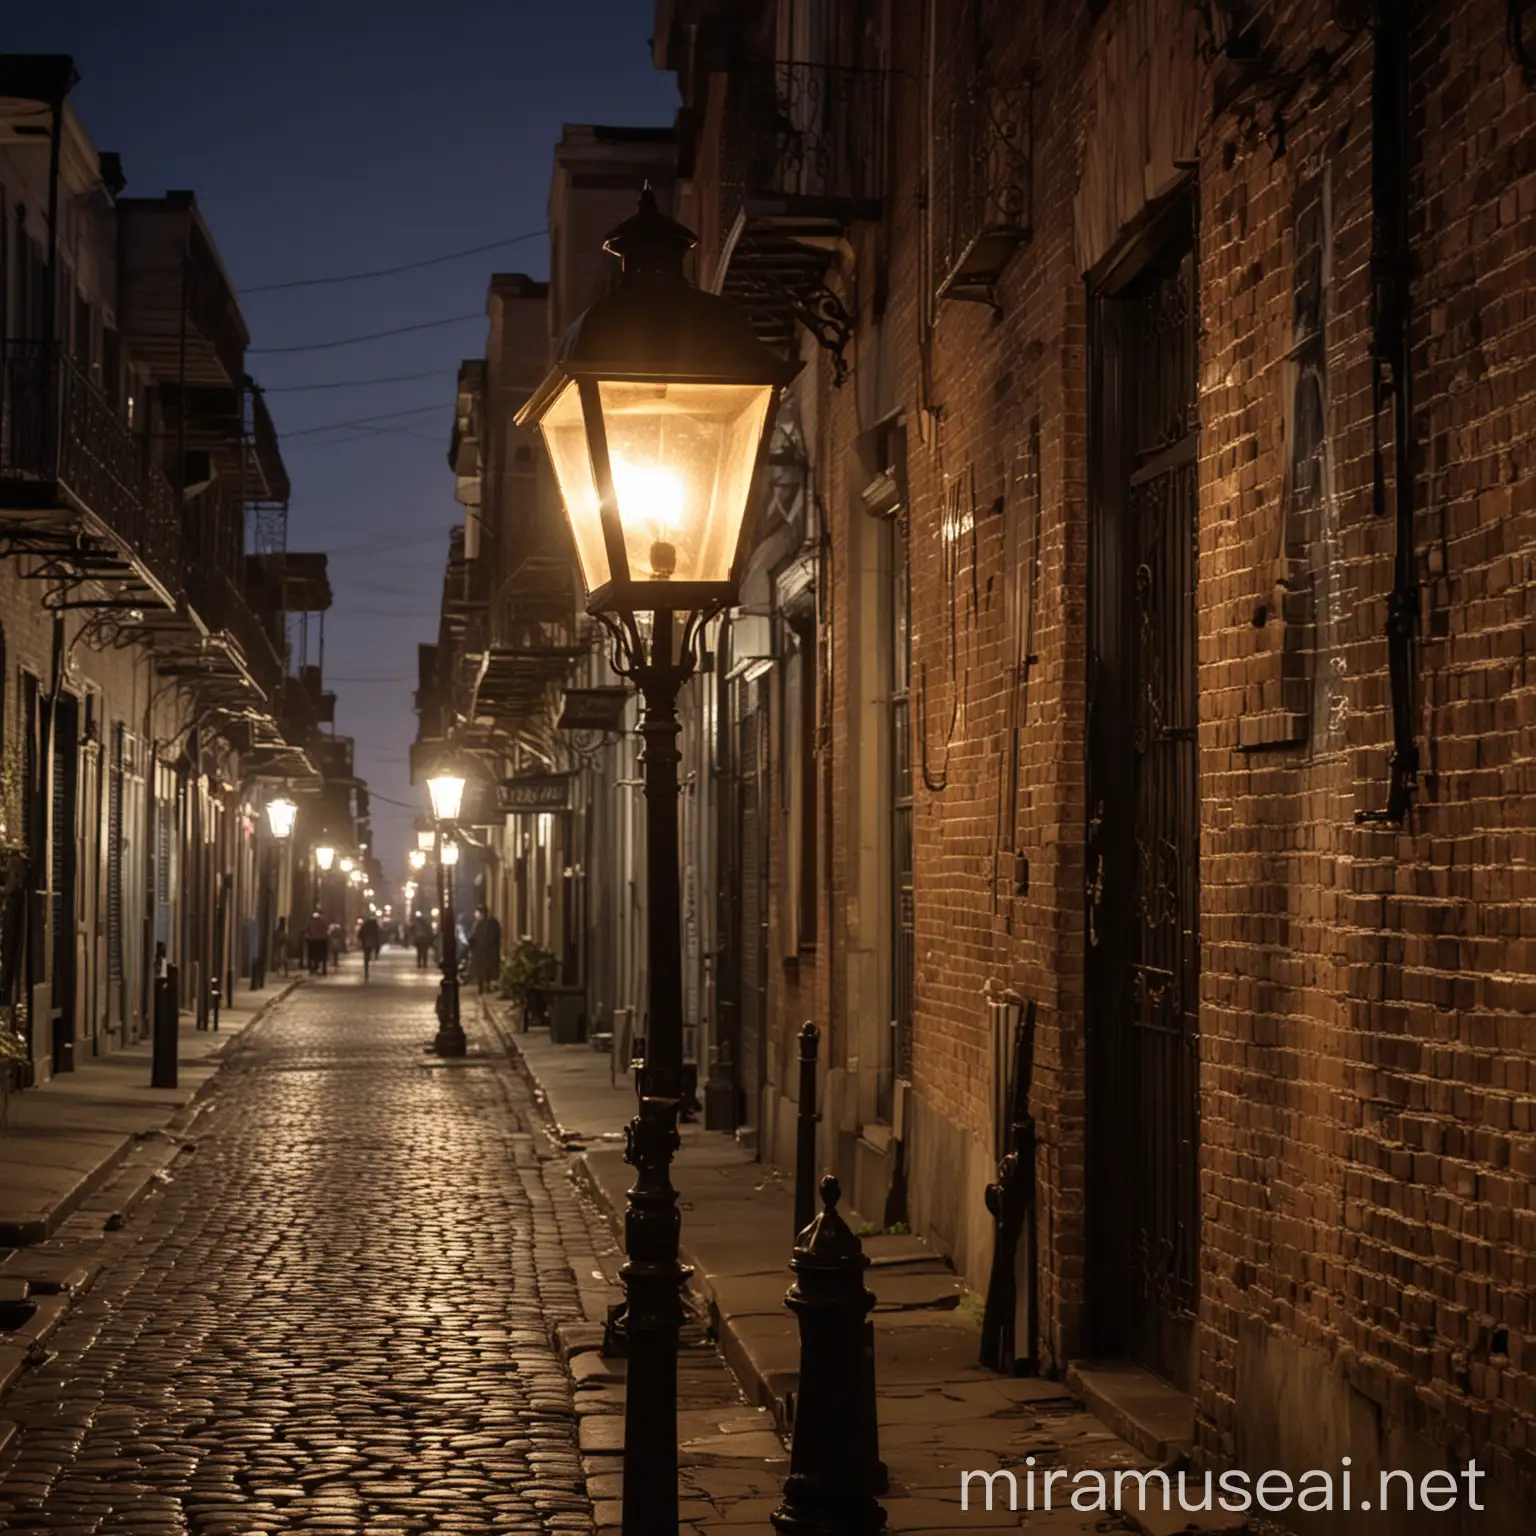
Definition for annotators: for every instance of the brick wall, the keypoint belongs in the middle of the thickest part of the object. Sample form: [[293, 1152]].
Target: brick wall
[[1367, 1107]]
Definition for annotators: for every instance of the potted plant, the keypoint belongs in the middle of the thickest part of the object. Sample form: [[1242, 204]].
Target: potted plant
[[526, 972]]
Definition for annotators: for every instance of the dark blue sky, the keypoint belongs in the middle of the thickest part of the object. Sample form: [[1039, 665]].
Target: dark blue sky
[[336, 136]]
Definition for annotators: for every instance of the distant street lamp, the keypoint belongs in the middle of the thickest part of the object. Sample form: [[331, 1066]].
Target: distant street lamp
[[325, 856], [418, 858], [426, 839], [445, 786], [656, 416], [348, 865]]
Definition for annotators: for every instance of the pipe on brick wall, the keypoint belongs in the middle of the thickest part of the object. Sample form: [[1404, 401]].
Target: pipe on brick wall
[[1391, 375]]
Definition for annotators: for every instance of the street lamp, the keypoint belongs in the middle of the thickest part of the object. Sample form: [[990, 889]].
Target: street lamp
[[656, 416], [281, 812], [445, 786], [426, 840], [325, 856], [348, 865], [418, 858]]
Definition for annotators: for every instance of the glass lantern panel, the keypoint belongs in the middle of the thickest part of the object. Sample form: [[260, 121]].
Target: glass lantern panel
[[565, 436], [682, 457]]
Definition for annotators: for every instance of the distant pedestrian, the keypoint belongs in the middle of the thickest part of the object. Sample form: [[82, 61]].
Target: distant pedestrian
[[337, 941], [280, 945], [485, 950], [316, 943], [368, 941], [421, 936]]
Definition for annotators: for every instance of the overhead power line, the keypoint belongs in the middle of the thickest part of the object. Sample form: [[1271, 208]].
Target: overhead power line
[[365, 421], [395, 378], [409, 266], [352, 341]]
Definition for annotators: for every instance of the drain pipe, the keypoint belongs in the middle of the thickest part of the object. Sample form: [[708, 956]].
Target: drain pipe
[[1391, 374]]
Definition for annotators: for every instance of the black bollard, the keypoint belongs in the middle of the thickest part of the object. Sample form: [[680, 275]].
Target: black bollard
[[834, 1456], [805, 1130], [165, 1042], [215, 1000]]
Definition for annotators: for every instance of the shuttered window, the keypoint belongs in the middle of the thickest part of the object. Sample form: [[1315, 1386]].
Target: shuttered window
[[115, 855]]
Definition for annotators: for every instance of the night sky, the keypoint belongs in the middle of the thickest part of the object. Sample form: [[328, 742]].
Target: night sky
[[325, 138]]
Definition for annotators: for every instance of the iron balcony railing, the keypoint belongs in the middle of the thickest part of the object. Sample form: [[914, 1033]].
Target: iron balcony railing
[[63, 439], [985, 192], [804, 136], [244, 628]]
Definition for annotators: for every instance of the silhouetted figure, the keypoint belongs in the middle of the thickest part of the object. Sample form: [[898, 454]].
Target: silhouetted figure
[[485, 950], [317, 941], [368, 941]]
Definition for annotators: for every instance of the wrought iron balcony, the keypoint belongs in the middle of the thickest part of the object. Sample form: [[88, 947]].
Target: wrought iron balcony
[[178, 310], [804, 156], [69, 460], [984, 192], [803, 138]]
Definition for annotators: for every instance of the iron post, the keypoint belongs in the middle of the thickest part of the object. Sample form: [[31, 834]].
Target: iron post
[[166, 1025], [450, 1039], [834, 1467], [652, 1274]]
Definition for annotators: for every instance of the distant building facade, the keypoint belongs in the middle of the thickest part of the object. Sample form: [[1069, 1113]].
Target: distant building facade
[[150, 698]]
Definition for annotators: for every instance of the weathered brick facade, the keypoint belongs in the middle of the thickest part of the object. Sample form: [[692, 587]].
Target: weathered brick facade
[[1366, 1144]]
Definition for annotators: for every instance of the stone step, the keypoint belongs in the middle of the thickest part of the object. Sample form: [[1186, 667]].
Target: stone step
[[1141, 1408]]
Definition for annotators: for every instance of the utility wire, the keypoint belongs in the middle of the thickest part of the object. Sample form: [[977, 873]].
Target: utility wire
[[362, 434], [365, 421], [352, 341], [410, 266], [398, 378]]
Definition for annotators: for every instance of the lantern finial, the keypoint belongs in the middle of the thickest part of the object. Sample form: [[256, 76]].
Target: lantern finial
[[649, 244]]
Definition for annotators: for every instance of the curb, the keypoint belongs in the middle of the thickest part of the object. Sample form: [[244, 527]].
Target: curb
[[773, 1390], [21, 1349], [27, 1234]]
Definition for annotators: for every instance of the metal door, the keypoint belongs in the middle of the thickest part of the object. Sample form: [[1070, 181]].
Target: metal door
[[1143, 958]]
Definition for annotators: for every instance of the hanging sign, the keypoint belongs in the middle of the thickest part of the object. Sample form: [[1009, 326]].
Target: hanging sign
[[535, 792]]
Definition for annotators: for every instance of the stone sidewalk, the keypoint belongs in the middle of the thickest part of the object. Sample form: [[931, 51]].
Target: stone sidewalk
[[63, 1140], [940, 1412]]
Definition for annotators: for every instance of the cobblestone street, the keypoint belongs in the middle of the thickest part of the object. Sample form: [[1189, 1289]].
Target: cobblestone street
[[335, 1315]]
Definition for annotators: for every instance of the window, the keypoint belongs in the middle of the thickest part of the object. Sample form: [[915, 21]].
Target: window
[[800, 703], [115, 853], [111, 364], [83, 348]]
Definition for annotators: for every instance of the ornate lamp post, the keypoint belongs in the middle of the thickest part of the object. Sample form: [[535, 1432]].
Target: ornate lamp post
[[325, 858], [446, 787], [281, 815], [656, 417]]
